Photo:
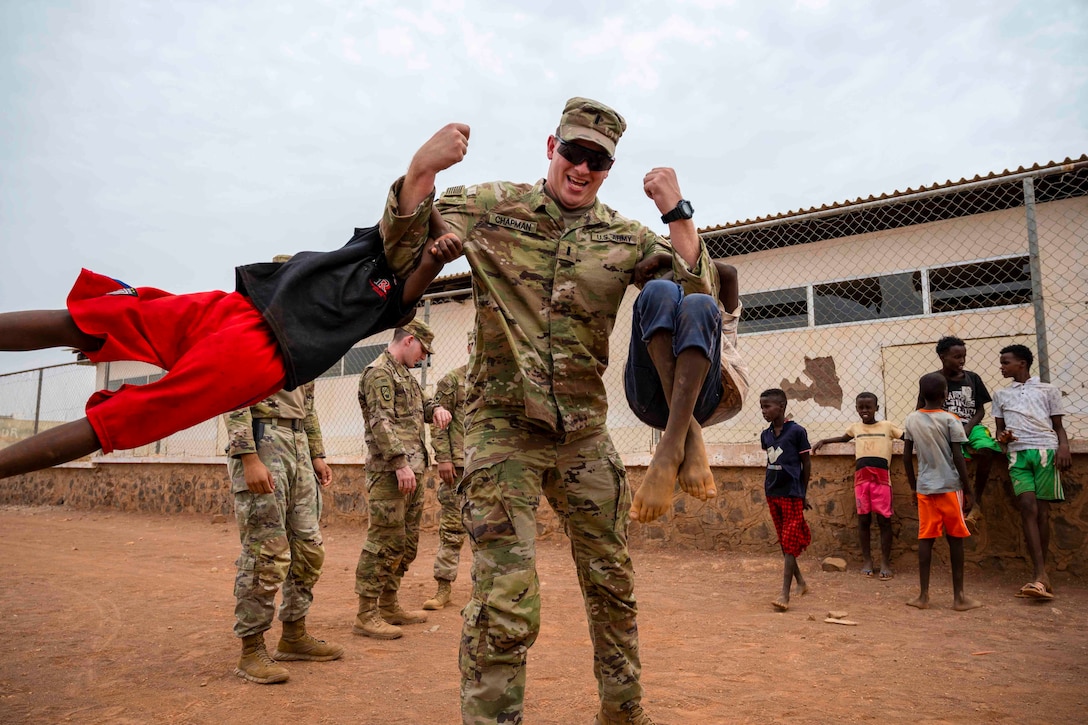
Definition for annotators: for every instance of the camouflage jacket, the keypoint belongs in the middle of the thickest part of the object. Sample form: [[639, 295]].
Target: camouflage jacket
[[546, 296], [449, 444], [394, 410], [281, 405]]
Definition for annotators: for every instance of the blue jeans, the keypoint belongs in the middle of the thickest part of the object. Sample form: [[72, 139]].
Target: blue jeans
[[695, 322]]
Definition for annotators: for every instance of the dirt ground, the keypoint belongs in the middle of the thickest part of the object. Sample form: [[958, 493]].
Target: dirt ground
[[126, 618]]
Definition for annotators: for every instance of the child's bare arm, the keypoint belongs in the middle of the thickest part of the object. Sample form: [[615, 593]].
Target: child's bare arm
[[445, 248], [908, 464], [844, 438], [648, 268], [1004, 435], [961, 469], [1064, 459], [729, 285], [806, 472]]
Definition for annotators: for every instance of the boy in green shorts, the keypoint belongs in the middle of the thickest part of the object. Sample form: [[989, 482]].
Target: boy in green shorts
[[967, 398], [1028, 415]]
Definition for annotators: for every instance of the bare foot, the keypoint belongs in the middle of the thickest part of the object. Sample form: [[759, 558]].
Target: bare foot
[[802, 589], [965, 604], [695, 476], [653, 499], [780, 605], [921, 602]]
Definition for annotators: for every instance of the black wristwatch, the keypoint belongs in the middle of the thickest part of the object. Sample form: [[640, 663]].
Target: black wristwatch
[[682, 210]]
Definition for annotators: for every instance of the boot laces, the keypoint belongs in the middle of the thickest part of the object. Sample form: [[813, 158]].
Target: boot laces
[[264, 657]]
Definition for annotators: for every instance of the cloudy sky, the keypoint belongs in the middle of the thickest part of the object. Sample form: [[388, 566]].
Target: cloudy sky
[[165, 143]]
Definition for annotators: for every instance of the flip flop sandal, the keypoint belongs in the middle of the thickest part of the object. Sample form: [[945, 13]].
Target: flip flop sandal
[[887, 576], [1023, 595], [867, 573], [1035, 590]]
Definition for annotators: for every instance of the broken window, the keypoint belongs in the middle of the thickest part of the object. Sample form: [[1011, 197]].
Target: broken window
[[355, 361], [982, 284], [868, 298], [776, 310]]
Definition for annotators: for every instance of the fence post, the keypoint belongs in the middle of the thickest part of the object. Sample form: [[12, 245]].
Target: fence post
[[38, 402], [1036, 281], [427, 360]]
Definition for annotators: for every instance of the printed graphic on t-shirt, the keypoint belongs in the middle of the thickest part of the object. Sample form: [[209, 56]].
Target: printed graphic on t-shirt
[[961, 402]]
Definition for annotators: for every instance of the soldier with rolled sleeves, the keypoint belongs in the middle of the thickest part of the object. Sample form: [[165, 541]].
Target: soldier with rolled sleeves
[[394, 410], [449, 453], [276, 463], [550, 265]]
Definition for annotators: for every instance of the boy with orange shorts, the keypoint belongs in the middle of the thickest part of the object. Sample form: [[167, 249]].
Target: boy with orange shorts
[[939, 486], [872, 479]]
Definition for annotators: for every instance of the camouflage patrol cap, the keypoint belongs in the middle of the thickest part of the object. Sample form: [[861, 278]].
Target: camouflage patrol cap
[[593, 121], [422, 332], [282, 258]]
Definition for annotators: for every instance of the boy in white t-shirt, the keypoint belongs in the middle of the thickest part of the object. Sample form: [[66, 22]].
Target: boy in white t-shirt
[[1028, 416], [872, 481]]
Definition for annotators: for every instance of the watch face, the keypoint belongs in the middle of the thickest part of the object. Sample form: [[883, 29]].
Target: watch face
[[686, 209]]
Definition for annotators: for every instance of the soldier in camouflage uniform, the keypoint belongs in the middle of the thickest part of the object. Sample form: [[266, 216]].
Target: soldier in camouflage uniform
[[394, 410], [550, 265], [276, 461], [449, 453]]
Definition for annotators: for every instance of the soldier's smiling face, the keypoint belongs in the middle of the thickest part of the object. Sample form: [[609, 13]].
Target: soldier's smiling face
[[573, 186]]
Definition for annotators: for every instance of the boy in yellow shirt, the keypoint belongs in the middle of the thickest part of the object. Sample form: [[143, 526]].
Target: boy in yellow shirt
[[872, 482]]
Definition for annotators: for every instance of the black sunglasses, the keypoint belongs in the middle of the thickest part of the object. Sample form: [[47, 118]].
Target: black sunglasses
[[572, 152]]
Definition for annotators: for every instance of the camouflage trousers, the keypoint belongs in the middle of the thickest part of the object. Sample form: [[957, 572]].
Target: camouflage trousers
[[392, 538], [509, 464], [280, 534], [451, 530]]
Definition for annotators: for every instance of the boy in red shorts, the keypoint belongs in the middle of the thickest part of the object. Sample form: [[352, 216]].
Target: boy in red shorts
[[939, 486], [285, 324], [786, 486], [872, 480]]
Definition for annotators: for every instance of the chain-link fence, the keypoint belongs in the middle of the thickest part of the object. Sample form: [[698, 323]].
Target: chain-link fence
[[837, 301]]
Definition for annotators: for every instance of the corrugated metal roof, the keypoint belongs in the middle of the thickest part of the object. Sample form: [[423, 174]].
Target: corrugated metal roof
[[1067, 164], [461, 280]]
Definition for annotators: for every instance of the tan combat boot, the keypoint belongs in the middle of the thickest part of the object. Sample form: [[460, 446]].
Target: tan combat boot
[[370, 624], [392, 612], [256, 665], [441, 597], [298, 644], [624, 716]]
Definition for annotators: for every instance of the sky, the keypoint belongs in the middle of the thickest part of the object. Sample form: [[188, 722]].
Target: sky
[[165, 143]]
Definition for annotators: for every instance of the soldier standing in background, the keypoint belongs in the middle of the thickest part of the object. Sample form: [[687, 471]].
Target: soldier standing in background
[[394, 410], [550, 265], [276, 460], [449, 453]]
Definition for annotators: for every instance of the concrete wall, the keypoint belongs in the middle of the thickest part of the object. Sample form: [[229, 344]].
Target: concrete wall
[[736, 521]]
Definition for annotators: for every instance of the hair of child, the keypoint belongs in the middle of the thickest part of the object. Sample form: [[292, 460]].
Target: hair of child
[[1020, 352], [947, 343]]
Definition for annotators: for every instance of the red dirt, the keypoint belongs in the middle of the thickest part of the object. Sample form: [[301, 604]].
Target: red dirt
[[126, 618]]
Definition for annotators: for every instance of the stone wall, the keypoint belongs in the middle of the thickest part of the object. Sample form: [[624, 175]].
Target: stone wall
[[737, 520]]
